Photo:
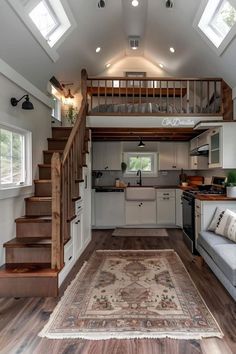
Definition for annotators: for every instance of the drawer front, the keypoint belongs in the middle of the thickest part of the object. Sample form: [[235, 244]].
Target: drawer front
[[68, 252], [163, 193]]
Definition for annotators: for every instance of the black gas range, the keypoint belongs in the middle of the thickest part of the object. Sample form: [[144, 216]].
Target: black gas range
[[188, 204]]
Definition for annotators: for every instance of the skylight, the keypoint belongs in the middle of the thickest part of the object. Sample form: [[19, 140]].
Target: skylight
[[44, 19], [217, 20]]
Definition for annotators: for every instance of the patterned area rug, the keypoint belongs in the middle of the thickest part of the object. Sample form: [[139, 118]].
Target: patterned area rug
[[140, 232], [132, 294]]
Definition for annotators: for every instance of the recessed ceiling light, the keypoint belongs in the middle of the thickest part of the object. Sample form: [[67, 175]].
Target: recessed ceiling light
[[161, 65], [98, 49], [172, 50], [135, 3], [108, 65]]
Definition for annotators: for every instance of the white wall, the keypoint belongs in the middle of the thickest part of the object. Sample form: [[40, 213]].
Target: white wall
[[38, 121], [134, 64]]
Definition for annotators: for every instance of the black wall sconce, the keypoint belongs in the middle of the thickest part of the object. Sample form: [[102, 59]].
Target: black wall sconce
[[25, 105]]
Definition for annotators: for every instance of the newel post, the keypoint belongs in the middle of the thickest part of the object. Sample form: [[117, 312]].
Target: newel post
[[57, 252], [227, 101], [84, 79]]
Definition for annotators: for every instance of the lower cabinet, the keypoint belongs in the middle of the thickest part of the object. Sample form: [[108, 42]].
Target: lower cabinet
[[166, 207], [178, 208], [109, 209], [140, 212]]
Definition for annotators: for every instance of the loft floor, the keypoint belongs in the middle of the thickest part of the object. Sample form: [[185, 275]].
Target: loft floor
[[22, 319]]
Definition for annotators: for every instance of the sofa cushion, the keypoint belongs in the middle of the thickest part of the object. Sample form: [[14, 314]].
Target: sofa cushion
[[225, 258], [208, 240], [216, 219], [227, 225]]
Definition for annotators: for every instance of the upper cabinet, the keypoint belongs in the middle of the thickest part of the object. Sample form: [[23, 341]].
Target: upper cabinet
[[199, 162], [107, 156], [174, 156], [214, 148]]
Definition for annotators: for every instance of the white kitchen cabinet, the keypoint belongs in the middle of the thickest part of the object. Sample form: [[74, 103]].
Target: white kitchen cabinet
[[199, 162], [178, 208], [109, 209], [174, 156], [140, 212], [107, 156], [222, 146], [165, 206]]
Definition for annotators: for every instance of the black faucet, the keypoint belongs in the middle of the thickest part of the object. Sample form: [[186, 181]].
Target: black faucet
[[139, 173]]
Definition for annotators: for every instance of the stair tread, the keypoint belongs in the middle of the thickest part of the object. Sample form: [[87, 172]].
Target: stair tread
[[42, 181], [52, 151], [27, 270], [45, 165], [39, 199], [61, 128], [30, 219], [28, 242], [58, 139]]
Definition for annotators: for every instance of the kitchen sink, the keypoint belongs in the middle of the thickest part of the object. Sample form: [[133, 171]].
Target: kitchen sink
[[140, 193]]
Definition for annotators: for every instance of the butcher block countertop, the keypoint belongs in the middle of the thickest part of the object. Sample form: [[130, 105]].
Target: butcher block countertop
[[213, 197]]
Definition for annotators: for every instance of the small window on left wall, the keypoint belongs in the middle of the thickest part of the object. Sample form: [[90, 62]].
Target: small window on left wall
[[15, 158]]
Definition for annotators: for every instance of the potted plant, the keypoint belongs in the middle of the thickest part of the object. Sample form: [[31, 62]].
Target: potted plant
[[123, 167], [71, 115], [231, 184]]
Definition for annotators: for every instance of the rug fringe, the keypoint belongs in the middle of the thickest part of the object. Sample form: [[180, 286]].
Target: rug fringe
[[106, 336]]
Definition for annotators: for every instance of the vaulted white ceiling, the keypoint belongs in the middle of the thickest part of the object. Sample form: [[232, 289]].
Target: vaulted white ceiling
[[109, 28]]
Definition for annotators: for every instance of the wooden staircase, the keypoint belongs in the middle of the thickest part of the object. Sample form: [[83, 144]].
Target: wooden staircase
[[28, 270]]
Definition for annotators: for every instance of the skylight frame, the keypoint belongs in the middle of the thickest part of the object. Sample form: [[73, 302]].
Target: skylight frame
[[52, 15], [214, 6]]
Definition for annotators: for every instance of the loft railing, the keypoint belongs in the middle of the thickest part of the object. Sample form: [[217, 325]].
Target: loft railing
[[159, 96], [66, 175]]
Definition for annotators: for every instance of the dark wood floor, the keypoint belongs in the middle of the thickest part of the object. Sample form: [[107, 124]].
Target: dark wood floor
[[22, 319]]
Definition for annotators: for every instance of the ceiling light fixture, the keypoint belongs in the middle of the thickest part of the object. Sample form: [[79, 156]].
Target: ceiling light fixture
[[134, 42], [69, 94], [25, 105], [172, 50], [108, 65], [101, 4], [135, 3], [141, 143], [161, 65], [169, 4], [98, 49]]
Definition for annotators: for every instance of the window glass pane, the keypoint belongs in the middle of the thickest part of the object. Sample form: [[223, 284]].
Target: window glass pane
[[12, 164], [224, 19], [140, 162], [42, 18], [147, 164]]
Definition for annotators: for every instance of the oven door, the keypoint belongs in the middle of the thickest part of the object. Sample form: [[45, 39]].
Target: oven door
[[189, 221]]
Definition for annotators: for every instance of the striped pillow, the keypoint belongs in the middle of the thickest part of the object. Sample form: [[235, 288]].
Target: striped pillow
[[216, 219], [227, 225]]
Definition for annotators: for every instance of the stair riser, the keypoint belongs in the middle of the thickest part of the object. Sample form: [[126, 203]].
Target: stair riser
[[28, 255], [30, 229], [43, 189], [29, 287], [44, 172], [61, 133], [56, 145], [47, 157], [38, 208]]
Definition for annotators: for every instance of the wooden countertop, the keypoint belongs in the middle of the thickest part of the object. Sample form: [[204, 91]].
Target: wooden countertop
[[213, 197]]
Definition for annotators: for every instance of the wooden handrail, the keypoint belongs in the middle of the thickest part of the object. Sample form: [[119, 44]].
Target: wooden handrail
[[125, 78], [66, 172]]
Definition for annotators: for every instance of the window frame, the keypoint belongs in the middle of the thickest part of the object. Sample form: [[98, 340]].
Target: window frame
[[27, 135], [154, 157], [200, 16]]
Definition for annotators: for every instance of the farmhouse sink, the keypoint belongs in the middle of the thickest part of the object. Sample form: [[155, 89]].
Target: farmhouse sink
[[140, 193]]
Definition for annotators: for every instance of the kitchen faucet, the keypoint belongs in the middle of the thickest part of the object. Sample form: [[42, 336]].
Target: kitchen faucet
[[139, 173]]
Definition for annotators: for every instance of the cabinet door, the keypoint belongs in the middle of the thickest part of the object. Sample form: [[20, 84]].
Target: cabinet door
[[109, 209], [182, 155], [214, 153], [193, 162], [167, 156], [99, 149], [166, 211], [133, 213], [113, 156], [148, 212]]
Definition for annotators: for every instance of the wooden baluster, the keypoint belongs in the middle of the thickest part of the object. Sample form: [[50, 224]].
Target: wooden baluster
[[201, 96], [91, 85], [214, 96], [188, 96], [174, 95], [105, 92], [140, 95], [167, 96], [126, 95], [161, 108], [194, 96], [133, 93], [208, 97], [181, 97], [98, 95]]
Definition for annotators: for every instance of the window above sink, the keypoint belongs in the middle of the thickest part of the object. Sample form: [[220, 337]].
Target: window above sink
[[146, 162]]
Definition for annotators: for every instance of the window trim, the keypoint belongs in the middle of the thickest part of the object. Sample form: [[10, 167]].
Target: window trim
[[153, 173], [23, 13], [10, 188], [228, 38]]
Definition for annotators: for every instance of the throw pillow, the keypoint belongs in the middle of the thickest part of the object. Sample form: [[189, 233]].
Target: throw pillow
[[227, 225], [216, 219]]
